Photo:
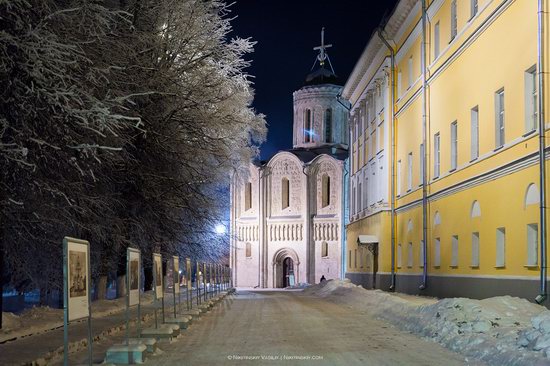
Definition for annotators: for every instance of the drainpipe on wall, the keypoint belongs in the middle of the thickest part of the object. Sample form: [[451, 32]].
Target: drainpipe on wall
[[392, 155], [424, 283], [542, 148]]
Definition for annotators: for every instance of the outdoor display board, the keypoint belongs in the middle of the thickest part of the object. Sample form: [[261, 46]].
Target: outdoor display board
[[157, 276], [176, 274], [134, 266], [77, 280], [188, 273]]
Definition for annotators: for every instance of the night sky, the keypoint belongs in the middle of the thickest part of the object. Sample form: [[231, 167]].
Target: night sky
[[286, 32]]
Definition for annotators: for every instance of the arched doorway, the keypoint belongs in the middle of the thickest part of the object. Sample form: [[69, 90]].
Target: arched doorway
[[286, 268], [288, 272]]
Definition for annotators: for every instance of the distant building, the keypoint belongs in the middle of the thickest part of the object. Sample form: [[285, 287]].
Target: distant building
[[287, 214], [464, 173]]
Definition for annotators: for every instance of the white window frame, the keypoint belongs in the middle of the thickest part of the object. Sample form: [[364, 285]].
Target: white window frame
[[421, 164], [437, 252], [532, 244], [399, 177], [500, 136], [454, 20], [475, 250], [454, 251], [409, 171], [437, 155], [474, 133], [500, 247], [454, 145], [410, 71], [436, 41], [531, 99]]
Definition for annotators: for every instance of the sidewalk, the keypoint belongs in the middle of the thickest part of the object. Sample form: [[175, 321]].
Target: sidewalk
[[47, 347]]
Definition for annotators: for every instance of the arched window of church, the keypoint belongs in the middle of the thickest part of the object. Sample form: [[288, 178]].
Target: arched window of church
[[328, 125], [285, 194], [325, 181], [248, 196], [248, 250], [307, 126], [324, 249]]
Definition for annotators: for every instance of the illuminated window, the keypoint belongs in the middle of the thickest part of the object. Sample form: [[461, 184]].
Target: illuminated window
[[325, 181], [531, 99], [474, 147], [454, 25], [285, 193], [307, 126], [454, 145], [499, 118], [248, 196], [328, 125], [501, 242]]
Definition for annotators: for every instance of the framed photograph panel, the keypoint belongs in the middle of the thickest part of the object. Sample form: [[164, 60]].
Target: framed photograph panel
[[77, 277], [157, 276], [134, 278], [176, 273]]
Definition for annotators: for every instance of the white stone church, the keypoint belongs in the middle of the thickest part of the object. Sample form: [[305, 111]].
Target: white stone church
[[287, 216]]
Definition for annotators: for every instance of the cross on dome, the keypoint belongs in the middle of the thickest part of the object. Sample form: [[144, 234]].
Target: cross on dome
[[322, 56]]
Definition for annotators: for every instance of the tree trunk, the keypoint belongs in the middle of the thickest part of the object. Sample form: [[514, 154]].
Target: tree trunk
[[148, 274], [102, 288], [121, 286]]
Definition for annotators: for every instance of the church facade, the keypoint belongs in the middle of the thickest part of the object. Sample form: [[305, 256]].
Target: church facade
[[287, 213]]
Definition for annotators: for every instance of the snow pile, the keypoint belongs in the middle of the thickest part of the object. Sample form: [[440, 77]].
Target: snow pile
[[499, 330], [10, 321], [300, 285]]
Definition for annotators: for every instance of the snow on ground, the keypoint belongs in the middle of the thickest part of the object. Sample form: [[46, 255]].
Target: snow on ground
[[501, 330], [43, 318]]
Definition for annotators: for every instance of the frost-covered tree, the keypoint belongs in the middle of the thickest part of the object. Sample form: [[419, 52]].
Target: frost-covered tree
[[119, 123]]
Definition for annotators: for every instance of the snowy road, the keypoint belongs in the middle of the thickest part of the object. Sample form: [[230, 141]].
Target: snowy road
[[271, 328]]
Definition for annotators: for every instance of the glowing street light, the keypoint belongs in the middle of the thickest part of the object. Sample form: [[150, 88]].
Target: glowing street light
[[220, 229]]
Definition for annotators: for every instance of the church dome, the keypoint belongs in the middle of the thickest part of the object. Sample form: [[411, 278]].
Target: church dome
[[322, 76]]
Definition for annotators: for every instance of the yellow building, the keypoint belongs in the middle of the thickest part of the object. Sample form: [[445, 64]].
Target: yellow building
[[466, 211]]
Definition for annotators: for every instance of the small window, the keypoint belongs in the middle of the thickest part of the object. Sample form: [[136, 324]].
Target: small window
[[454, 21], [248, 196], [328, 125], [454, 251], [324, 249], [410, 259], [473, 8], [454, 145], [437, 252], [476, 210], [399, 256], [325, 181], [410, 171], [531, 99], [499, 118], [436, 40], [285, 193], [355, 258], [532, 244], [532, 196], [359, 197], [437, 161], [248, 250], [475, 250], [474, 119], [501, 243], [307, 126]]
